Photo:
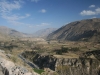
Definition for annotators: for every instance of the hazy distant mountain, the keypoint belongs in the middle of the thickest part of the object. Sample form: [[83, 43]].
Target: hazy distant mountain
[[44, 32], [11, 32], [88, 30], [8, 32]]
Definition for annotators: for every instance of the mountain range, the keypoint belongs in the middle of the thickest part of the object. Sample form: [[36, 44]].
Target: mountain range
[[6, 32], [44, 32], [86, 30]]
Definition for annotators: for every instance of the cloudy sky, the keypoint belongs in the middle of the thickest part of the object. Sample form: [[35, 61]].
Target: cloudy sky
[[29, 16]]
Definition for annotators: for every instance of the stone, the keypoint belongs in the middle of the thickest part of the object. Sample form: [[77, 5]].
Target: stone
[[70, 66], [9, 68]]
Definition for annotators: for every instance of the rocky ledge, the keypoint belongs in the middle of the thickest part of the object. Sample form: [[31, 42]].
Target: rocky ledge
[[89, 65]]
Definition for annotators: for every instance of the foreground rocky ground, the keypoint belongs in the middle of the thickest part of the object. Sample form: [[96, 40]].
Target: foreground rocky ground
[[7, 67]]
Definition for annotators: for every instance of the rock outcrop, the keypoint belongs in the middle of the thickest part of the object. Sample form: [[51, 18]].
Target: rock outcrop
[[45, 61], [84, 65], [76, 66], [7, 67]]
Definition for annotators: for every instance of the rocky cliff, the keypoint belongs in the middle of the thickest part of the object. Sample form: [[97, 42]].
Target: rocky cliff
[[87, 64], [76, 66]]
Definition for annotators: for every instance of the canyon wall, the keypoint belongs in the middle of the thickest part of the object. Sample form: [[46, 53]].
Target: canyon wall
[[87, 64]]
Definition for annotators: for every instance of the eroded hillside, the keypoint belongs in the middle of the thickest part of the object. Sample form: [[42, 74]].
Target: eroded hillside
[[86, 30]]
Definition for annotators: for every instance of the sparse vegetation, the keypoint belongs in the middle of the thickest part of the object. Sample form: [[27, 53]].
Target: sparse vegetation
[[63, 70], [74, 49], [14, 59], [62, 50], [39, 71], [66, 50]]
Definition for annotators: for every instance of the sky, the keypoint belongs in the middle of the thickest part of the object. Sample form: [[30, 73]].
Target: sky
[[29, 16]]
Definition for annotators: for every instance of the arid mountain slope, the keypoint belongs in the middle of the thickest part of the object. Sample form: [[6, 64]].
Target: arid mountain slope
[[44, 32], [88, 30], [11, 32], [4, 37]]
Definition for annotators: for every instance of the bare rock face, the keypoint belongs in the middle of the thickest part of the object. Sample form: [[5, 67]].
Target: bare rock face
[[45, 61], [70, 66], [1, 71], [76, 66], [9, 68]]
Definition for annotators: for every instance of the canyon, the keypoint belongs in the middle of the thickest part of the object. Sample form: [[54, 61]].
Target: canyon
[[86, 64]]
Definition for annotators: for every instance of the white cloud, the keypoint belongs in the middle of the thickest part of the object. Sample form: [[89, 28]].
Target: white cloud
[[91, 6], [14, 22], [90, 12], [6, 9], [43, 24], [6, 6], [43, 11], [14, 17], [94, 17], [35, 1], [30, 26], [97, 10], [87, 12], [27, 15], [39, 25]]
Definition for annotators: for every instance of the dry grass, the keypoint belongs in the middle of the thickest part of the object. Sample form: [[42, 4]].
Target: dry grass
[[67, 55], [14, 58]]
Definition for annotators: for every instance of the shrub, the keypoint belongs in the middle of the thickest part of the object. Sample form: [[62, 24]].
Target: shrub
[[74, 49], [63, 69], [39, 71], [63, 50], [14, 59]]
